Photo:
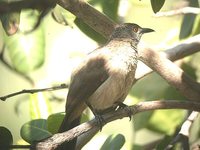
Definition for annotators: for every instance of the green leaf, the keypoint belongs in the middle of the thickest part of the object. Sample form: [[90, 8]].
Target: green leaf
[[84, 118], [34, 130], [26, 51], [141, 120], [89, 31], [6, 138], [196, 26], [157, 5], [39, 106], [164, 142], [62, 16], [110, 8], [187, 25], [166, 121], [137, 147], [54, 121], [114, 142], [188, 21], [10, 22]]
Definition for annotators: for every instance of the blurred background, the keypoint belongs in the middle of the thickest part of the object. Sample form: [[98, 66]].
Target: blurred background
[[46, 56]]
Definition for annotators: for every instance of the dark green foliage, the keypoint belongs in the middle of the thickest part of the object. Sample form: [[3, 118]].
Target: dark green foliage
[[35, 130], [89, 31], [188, 21], [113, 142], [157, 5], [6, 138]]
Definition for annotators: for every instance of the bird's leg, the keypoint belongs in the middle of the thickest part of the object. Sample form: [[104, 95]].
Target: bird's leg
[[124, 106], [98, 116]]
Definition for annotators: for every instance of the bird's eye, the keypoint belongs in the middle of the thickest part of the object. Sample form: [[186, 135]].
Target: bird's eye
[[135, 29]]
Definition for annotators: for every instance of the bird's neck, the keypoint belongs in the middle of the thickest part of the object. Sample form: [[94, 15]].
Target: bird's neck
[[124, 41]]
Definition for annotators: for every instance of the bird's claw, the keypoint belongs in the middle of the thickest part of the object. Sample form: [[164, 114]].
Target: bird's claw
[[100, 121], [127, 109]]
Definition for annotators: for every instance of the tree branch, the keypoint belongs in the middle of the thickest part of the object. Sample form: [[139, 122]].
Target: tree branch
[[32, 91], [96, 20], [181, 11], [93, 18], [13, 6], [92, 126], [183, 135], [171, 73], [178, 51]]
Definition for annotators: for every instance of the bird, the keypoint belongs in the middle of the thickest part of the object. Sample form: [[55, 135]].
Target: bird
[[104, 78]]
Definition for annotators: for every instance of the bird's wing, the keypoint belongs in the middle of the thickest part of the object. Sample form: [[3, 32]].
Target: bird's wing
[[85, 80]]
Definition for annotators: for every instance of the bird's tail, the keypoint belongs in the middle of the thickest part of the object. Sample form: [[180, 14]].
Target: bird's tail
[[65, 126]]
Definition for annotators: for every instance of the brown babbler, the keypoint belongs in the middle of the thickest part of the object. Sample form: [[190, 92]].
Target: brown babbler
[[104, 78]]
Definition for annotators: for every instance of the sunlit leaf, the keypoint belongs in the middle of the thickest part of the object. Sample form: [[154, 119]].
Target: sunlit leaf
[[166, 121], [196, 26], [141, 120], [194, 64], [149, 91], [157, 5], [54, 121], [39, 106], [34, 130], [89, 31], [113, 142], [5, 138], [26, 51]]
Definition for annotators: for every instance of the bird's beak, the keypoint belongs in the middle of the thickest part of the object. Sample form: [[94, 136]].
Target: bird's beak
[[146, 30]]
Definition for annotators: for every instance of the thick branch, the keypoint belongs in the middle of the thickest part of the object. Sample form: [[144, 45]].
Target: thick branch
[[92, 126], [96, 20], [178, 51], [171, 73], [6, 7]]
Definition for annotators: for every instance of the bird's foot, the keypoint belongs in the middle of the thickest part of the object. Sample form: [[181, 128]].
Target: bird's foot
[[124, 106], [98, 116], [100, 121]]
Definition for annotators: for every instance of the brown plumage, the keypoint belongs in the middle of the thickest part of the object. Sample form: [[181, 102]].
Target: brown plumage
[[104, 77]]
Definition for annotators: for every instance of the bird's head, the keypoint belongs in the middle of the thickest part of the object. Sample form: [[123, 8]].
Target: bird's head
[[130, 31]]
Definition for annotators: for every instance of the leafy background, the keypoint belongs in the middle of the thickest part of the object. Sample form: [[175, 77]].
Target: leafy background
[[48, 54]]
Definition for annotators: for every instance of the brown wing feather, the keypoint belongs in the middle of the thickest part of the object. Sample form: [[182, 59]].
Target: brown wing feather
[[86, 79]]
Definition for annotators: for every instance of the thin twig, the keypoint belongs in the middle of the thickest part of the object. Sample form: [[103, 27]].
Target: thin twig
[[181, 11], [183, 135], [32, 91], [92, 126]]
